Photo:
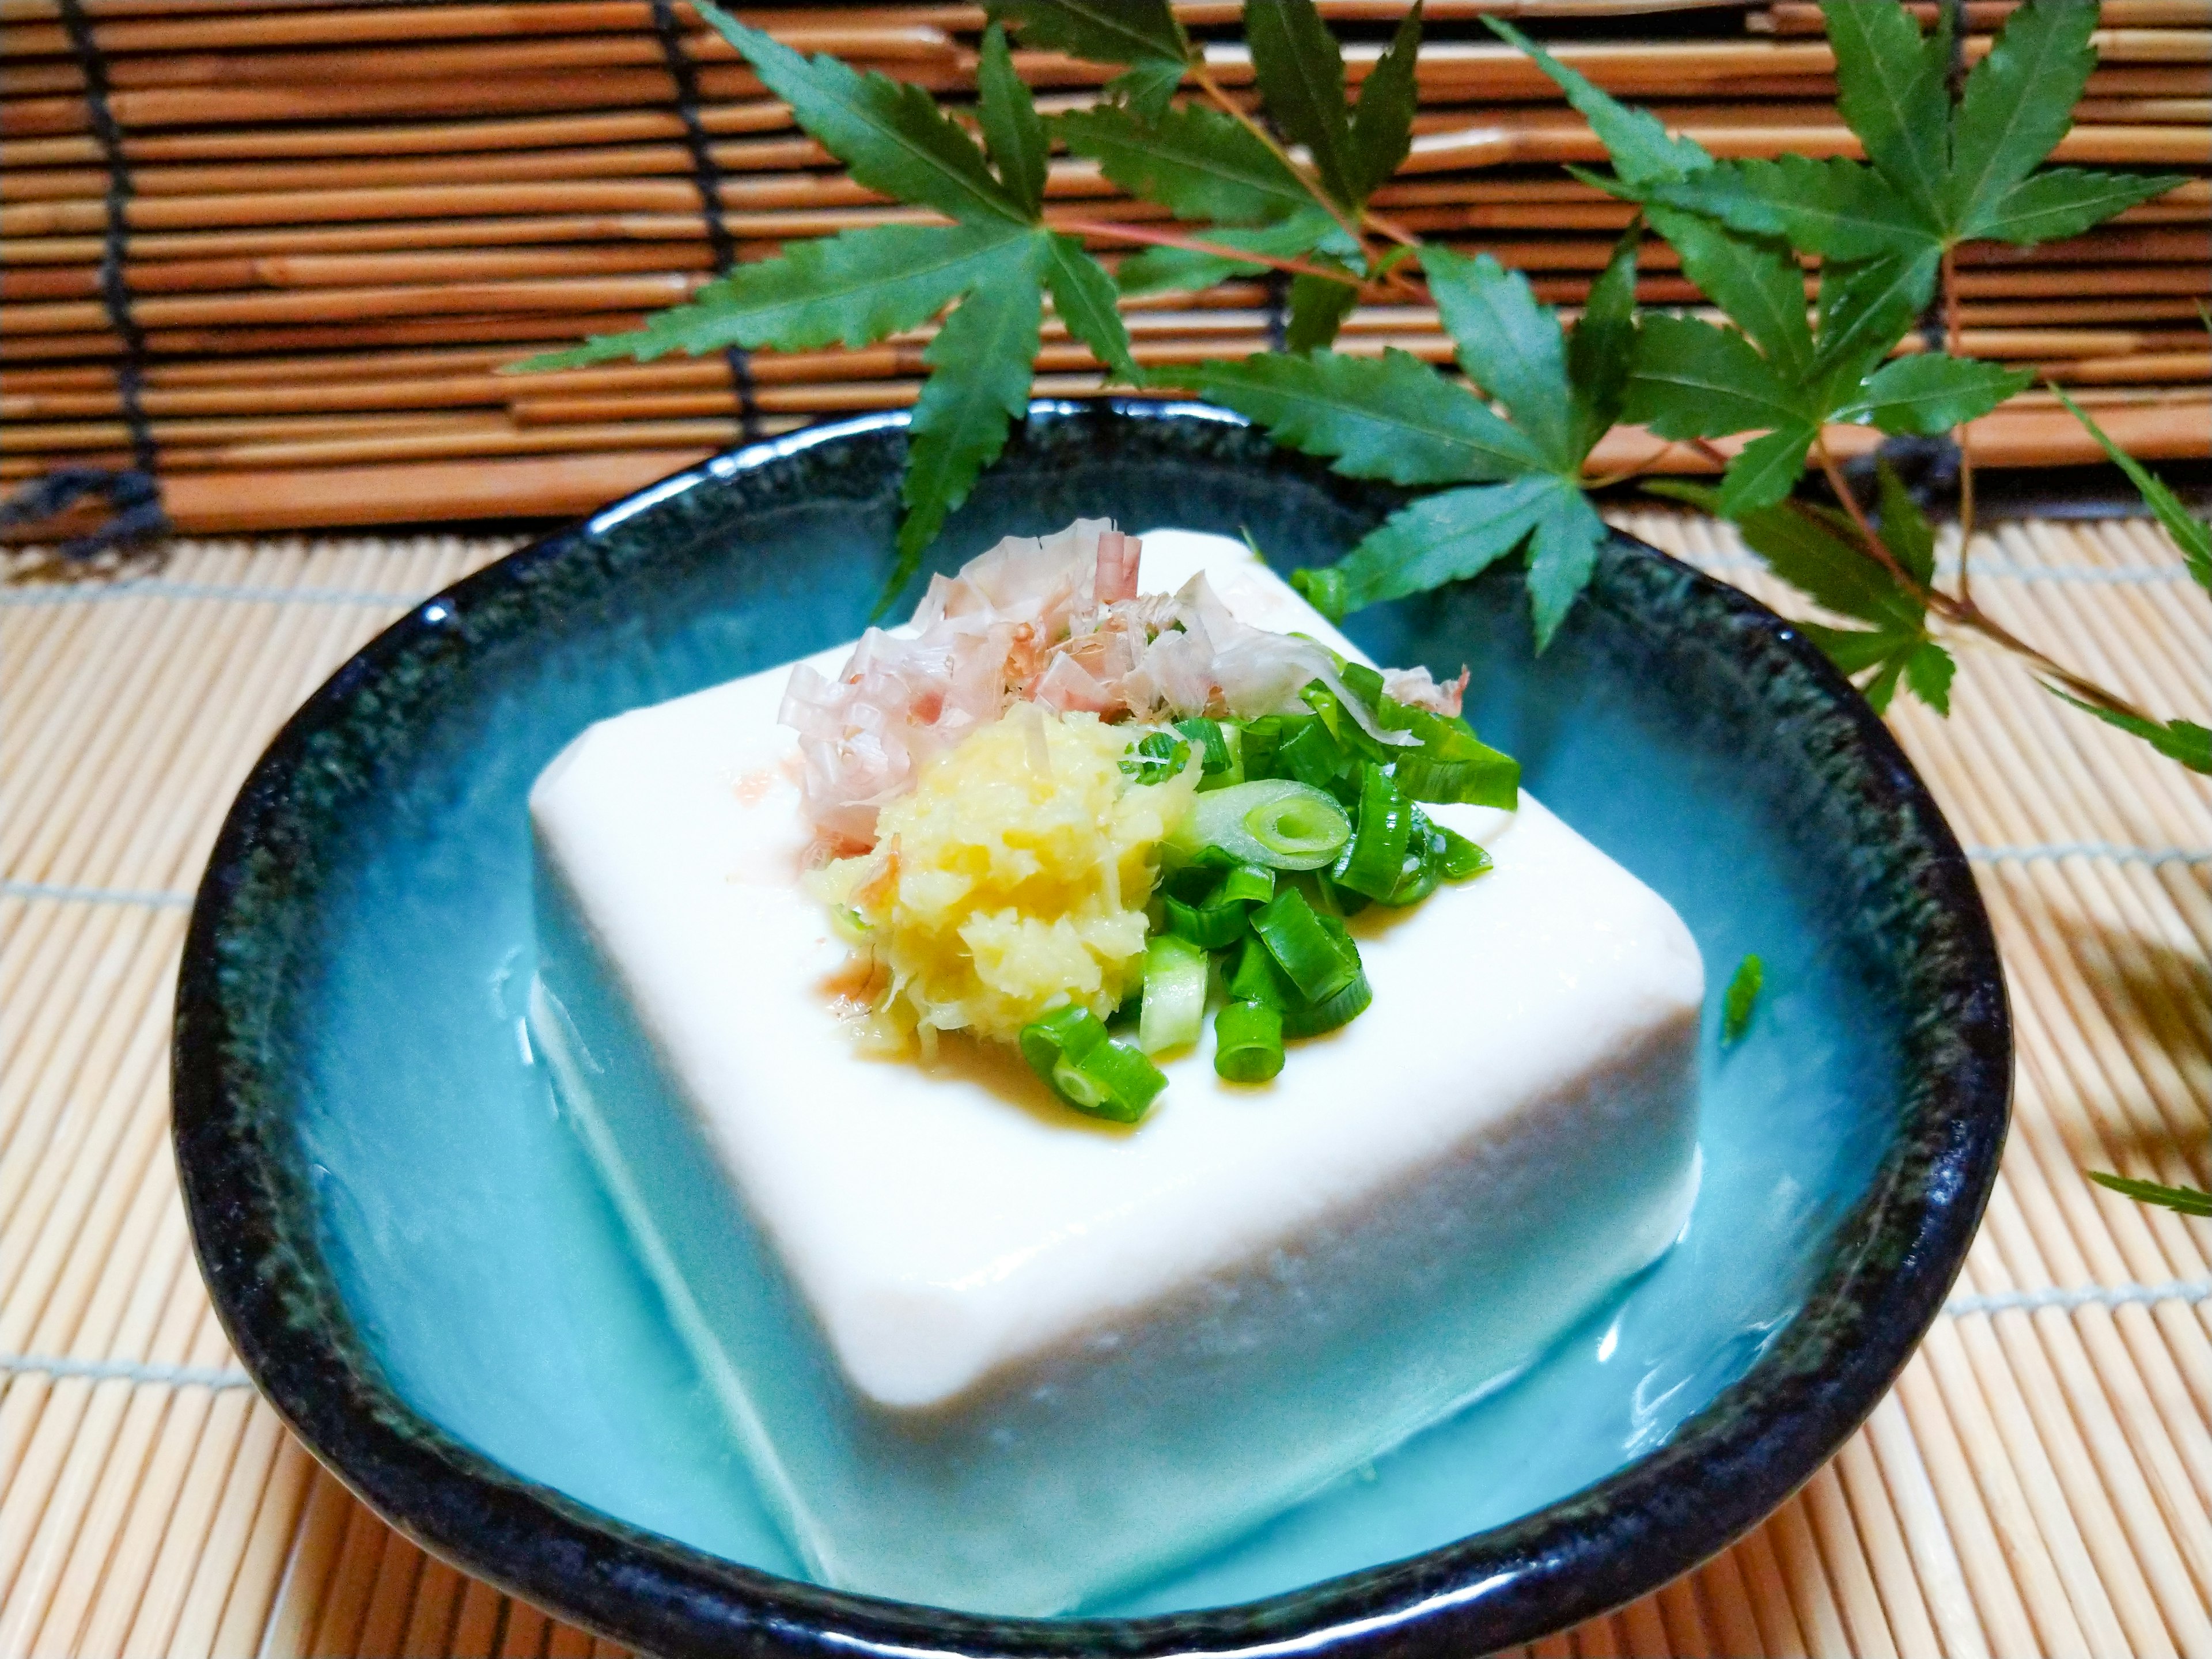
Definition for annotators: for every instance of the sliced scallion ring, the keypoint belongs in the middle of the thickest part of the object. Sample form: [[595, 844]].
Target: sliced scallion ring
[[1248, 1042], [1070, 1050], [1174, 1011], [1275, 823], [1319, 961]]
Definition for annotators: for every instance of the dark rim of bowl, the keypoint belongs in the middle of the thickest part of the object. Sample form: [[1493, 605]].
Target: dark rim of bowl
[[1722, 1471]]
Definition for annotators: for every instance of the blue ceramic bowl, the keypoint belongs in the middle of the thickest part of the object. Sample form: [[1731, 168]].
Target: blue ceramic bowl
[[413, 1260]]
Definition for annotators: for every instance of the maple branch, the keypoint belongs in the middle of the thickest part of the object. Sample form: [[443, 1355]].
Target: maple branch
[[2088, 690], [1875, 544], [1237, 113], [1605, 481], [1962, 612], [1116, 232]]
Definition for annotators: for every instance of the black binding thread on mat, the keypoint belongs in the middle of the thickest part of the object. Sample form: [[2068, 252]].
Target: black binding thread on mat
[[707, 174], [134, 492]]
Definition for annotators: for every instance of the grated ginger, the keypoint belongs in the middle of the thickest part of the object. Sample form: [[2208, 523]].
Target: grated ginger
[[1011, 881]]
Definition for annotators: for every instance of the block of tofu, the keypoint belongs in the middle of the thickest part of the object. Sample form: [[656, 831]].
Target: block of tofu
[[984, 1352]]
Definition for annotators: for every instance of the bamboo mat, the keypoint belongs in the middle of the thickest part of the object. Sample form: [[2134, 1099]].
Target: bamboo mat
[[2038, 1483]]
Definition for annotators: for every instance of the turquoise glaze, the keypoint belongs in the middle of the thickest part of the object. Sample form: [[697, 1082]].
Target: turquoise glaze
[[453, 1231]]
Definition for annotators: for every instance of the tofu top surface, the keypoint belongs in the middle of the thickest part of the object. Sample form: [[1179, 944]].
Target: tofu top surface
[[947, 1222]]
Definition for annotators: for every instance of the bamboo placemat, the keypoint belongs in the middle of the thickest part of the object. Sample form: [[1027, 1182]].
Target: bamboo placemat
[[2037, 1483]]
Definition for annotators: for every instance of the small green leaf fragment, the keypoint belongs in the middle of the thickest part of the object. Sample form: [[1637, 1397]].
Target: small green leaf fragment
[[1195, 161], [1906, 531], [1890, 87], [1866, 307], [1013, 132], [1763, 470], [1929, 670], [889, 134], [1383, 121], [1435, 539], [1562, 554], [1142, 33], [981, 366], [1693, 381], [1391, 417], [1741, 1000], [1318, 308], [1931, 392], [1186, 270], [851, 289], [2191, 534], [2189, 1200], [1602, 350], [1082, 297], [1642, 151], [1300, 70], [1835, 207], [1509, 344], [2065, 202], [1147, 87], [1754, 280], [2178, 740]]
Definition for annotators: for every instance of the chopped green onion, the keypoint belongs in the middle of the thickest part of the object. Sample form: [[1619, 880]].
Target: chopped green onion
[[1210, 926], [1319, 963], [1248, 1041], [1256, 979], [1275, 823], [1457, 858], [1297, 828], [1332, 900], [1311, 1018], [1373, 861], [1351, 737], [1071, 1051], [1174, 995], [1450, 763], [1157, 757], [1308, 753], [1220, 746], [1259, 739], [1254, 883]]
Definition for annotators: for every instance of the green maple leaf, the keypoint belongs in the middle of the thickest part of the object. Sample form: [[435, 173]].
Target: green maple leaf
[[1396, 418], [2189, 1200], [1936, 175], [993, 266], [1775, 372], [1142, 33], [1816, 550], [1215, 172], [1196, 161], [2178, 740], [1307, 231]]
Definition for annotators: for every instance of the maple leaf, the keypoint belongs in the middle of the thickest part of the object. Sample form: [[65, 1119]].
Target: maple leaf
[[1219, 174], [1142, 33], [1775, 372], [1817, 550], [994, 264], [1397, 419], [1936, 174]]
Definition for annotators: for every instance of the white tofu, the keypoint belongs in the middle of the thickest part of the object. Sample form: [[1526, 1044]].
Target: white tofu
[[983, 1352]]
